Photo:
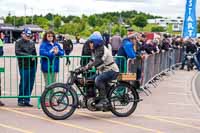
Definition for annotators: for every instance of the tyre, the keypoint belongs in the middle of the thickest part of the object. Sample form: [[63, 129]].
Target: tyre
[[123, 97], [188, 66], [59, 101]]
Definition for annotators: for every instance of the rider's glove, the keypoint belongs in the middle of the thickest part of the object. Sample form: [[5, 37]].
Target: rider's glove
[[85, 68]]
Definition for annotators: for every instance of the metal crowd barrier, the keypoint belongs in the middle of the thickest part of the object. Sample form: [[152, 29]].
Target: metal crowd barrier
[[150, 67], [10, 76], [78, 61], [153, 65]]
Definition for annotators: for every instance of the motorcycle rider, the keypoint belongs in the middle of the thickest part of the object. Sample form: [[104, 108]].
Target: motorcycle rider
[[104, 63], [190, 47]]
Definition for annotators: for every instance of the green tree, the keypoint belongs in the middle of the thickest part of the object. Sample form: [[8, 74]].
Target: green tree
[[82, 25], [68, 18], [28, 20], [42, 22], [198, 26], [92, 20], [9, 19], [99, 22], [157, 29], [49, 16], [57, 22], [19, 21], [76, 20], [140, 21], [115, 19]]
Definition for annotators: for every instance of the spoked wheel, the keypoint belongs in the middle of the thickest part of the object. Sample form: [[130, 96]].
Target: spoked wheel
[[58, 101], [123, 99]]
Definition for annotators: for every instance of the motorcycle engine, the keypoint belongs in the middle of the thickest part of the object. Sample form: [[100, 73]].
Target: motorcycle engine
[[91, 104]]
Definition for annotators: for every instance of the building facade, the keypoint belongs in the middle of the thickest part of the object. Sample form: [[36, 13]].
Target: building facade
[[177, 23]]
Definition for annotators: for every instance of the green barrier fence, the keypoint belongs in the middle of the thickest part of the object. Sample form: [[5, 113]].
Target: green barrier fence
[[78, 61], [10, 76]]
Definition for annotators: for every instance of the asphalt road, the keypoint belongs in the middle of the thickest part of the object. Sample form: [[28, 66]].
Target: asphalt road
[[169, 109]]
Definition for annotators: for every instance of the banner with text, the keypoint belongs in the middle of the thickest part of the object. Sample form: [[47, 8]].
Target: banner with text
[[190, 22]]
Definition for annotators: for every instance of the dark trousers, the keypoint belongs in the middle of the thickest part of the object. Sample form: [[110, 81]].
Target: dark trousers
[[139, 73], [197, 60], [27, 79], [0, 84], [102, 79], [67, 52]]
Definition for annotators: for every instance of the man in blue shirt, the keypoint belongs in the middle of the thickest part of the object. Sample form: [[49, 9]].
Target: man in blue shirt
[[126, 50]]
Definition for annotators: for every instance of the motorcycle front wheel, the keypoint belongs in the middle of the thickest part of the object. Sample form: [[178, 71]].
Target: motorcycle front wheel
[[59, 101]]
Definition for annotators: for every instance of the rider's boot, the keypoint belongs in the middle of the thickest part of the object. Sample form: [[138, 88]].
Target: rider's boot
[[103, 99]]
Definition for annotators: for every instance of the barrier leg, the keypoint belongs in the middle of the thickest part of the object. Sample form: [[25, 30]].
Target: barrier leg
[[38, 103], [146, 88], [153, 83], [143, 90]]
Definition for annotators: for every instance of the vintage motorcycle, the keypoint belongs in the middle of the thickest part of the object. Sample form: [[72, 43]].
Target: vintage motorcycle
[[190, 60], [60, 100]]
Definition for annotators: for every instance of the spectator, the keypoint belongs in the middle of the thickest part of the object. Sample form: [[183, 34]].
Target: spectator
[[67, 47], [50, 49], [177, 43], [142, 39], [156, 45], [106, 38], [1, 54], [198, 42], [27, 66], [85, 52], [190, 47], [116, 42], [150, 46], [36, 37], [126, 50], [165, 43], [198, 53], [137, 47], [1, 43], [77, 38]]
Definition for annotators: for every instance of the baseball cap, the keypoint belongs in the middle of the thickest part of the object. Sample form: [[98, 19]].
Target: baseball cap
[[133, 36], [27, 32]]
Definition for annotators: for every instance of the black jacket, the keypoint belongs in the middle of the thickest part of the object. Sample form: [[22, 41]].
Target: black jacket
[[25, 48], [85, 52], [165, 44], [190, 47], [1, 51], [98, 54], [67, 45]]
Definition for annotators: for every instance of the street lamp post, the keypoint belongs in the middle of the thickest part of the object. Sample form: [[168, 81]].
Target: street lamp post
[[32, 16], [110, 28]]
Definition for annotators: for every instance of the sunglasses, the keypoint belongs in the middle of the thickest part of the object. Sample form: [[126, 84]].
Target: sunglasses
[[28, 36], [49, 35]]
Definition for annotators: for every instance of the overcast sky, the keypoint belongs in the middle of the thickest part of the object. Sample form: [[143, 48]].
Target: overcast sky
[[165, 8]]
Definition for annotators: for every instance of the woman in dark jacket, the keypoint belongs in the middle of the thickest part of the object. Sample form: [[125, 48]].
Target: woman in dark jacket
[[67, 47], [86, 52], [50, 49]]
